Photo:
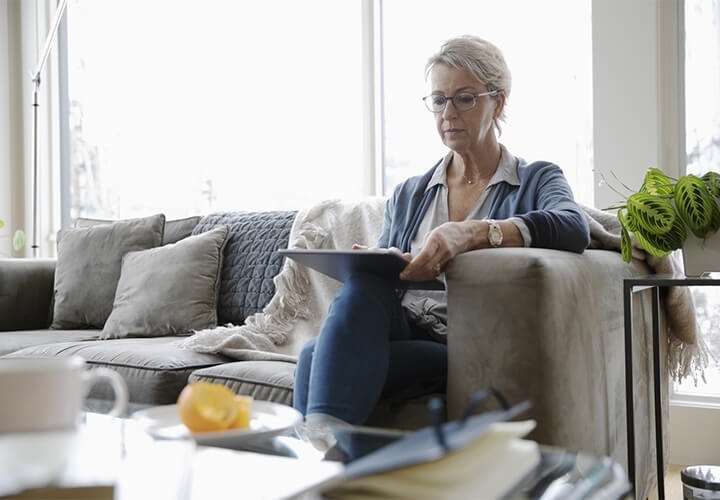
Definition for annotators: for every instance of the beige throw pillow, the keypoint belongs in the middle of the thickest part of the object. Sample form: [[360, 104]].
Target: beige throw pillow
[[88, 268], [169, 290]]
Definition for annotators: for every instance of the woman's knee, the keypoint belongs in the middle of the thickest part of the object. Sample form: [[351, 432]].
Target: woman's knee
[[306, 353], [365, 295]]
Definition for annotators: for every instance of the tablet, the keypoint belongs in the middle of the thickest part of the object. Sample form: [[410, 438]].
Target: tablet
[[341, 264]]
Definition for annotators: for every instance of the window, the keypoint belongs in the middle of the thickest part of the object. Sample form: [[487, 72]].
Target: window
[[695, 409], [702, 138], [208, 109], [549, 108], [183, 107]]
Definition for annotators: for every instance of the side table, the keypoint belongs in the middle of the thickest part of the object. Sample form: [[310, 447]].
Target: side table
[[653, 282]]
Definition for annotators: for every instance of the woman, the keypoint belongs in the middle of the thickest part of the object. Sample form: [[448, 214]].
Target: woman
[[377, 343]]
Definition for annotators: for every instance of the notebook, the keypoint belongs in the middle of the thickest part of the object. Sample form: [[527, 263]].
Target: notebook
[[477, 456]]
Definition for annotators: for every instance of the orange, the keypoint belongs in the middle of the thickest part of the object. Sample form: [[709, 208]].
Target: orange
[[242, 420], [204, 406]]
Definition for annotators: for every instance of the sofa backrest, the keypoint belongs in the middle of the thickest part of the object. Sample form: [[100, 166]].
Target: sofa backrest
[[250, 259]]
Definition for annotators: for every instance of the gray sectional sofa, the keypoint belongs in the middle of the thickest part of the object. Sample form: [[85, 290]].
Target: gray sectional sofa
[[155, 368], [539, 324]]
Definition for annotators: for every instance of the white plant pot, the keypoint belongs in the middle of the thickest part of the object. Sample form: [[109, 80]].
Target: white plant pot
[[701, 256]]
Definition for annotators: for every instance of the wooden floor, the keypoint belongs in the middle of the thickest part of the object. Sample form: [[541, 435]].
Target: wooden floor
[[673, 484]]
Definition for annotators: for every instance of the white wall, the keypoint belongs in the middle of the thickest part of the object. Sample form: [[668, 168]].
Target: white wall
[[693, 434], [5, 189], [12, 181], [636, 98]]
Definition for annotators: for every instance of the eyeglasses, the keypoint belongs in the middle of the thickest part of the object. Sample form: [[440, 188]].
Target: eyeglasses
[[463, 101]]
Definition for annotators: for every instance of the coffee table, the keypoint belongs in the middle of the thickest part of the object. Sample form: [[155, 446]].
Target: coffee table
[[117, 460]]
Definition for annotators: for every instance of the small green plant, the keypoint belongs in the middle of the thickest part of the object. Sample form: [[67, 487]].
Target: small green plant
[[18, 239], [661, 213]]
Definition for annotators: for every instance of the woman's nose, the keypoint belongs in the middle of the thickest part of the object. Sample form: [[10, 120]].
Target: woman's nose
[[450, 109]]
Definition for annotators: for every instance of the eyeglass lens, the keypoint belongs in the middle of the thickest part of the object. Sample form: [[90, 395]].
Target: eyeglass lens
[[462, 102]]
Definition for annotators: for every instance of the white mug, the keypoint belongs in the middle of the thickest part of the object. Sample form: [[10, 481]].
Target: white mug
[[40, 415], [45, 394]]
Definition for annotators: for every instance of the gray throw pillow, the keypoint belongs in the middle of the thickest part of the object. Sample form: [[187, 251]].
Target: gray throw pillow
[[175, 229], [169, 290], [88, 268]]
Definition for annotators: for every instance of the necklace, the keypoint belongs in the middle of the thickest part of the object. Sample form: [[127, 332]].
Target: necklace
[[473, 181]]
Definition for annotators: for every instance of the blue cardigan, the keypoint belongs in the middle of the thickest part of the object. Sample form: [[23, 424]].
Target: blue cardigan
[[543, 200]]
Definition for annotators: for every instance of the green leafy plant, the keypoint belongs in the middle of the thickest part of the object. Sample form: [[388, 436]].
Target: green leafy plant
[[18, 239], [662, 212]]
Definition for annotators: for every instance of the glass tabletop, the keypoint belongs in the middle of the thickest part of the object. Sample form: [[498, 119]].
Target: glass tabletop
[[105, 405], [139, 466], [559, 474]]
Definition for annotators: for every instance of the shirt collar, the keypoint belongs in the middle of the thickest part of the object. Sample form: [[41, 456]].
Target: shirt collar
[[506, 171]]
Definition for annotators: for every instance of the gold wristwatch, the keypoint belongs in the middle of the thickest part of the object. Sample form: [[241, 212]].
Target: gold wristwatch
[[495, 234]]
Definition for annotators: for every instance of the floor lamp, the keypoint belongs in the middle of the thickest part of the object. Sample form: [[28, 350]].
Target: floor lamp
[[36, 86]]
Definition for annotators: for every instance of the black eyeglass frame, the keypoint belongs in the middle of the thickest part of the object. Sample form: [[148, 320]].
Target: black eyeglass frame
[[446, 99]]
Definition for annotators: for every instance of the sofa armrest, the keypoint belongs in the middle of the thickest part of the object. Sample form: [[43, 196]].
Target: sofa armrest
[[548, 326], [26, 290]]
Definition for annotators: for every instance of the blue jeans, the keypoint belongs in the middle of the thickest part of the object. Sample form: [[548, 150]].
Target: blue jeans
[[366, 350]]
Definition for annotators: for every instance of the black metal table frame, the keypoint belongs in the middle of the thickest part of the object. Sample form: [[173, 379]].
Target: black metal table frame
[[630, 286]]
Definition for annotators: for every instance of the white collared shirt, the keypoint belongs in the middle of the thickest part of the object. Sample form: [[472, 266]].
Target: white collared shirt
[[438, 213]]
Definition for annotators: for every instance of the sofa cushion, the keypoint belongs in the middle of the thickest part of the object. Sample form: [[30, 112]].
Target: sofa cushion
[[263, 380], [15, 340], [175, 230], [155, 369], [88, 268], [250, 260], [169, 289]]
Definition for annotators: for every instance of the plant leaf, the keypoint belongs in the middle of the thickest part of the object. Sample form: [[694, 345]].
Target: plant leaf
[[661, 245], [657, 183], [18, 239], [712, 181], [696, 206], [625, 244], [650, 213], [626, 220], [2, 224]]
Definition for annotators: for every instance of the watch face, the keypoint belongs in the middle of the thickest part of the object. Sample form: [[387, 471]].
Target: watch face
[[495, 235]]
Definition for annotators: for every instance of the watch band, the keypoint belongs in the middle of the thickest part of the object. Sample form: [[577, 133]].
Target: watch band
[[495, 234]]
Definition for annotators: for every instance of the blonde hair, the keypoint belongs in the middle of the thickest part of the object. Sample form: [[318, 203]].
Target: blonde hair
[[481, 58]]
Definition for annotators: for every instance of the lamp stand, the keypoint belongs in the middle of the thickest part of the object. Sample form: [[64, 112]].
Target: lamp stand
[[36, 87]]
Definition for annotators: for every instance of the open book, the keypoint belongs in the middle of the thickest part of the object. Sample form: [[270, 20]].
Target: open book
[[479, 456], [341, 264]]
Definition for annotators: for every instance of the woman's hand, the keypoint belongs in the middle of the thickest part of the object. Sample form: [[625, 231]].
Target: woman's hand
[[441, 245]]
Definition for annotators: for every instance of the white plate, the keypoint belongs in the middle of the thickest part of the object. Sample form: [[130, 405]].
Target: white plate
[[267, 419]]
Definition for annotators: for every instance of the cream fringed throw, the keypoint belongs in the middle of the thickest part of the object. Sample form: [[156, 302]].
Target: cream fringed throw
[[688, 353], [302, 296]]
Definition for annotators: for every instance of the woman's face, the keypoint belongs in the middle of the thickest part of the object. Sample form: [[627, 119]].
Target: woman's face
[[464, 131]]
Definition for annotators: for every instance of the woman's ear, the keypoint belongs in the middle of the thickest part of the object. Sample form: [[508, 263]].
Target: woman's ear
[[499, 104]]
